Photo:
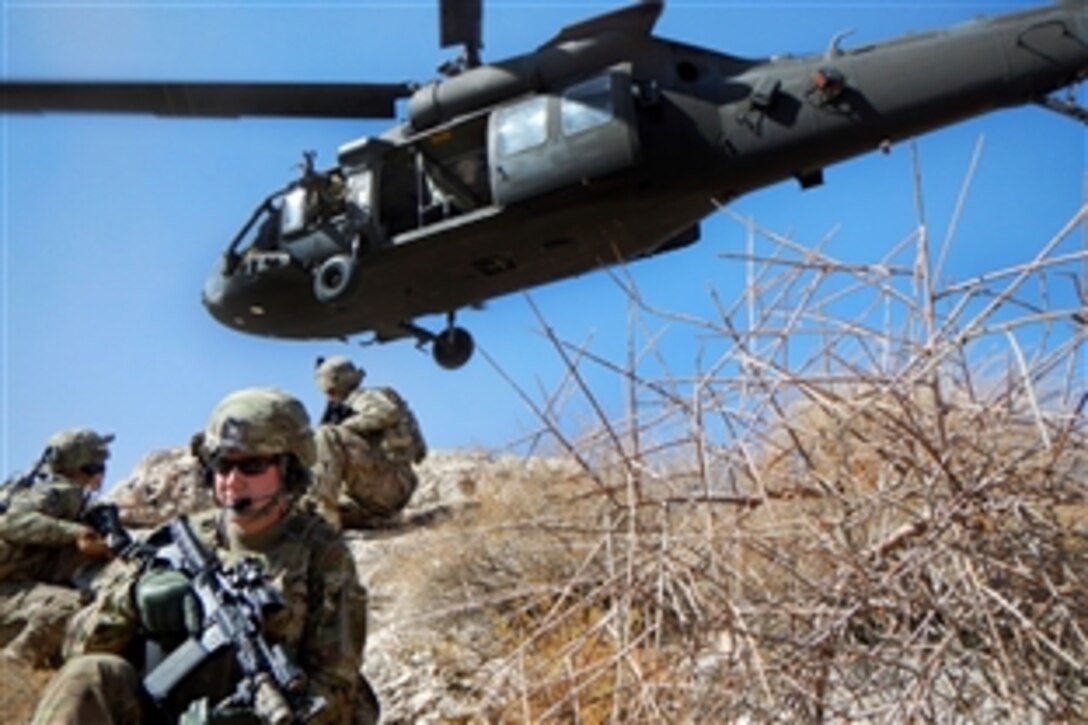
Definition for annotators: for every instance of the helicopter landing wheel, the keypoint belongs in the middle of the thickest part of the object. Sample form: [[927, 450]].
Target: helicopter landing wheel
[[334, 278], [452, 347]]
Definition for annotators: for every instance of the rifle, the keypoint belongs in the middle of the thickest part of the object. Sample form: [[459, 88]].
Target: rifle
[[105, 519], [234, 602], [336, 413], [10, 489]]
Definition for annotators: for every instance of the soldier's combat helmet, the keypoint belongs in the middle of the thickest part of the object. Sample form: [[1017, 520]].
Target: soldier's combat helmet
[[72, 449], [338, 376], [260, 422]]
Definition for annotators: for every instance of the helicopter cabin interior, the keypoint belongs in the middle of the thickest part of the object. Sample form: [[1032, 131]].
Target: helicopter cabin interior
[[497, 156]]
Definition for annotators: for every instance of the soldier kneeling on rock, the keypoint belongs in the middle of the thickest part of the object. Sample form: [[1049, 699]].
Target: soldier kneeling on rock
[[45, 547], [250, 612], [367, 444]]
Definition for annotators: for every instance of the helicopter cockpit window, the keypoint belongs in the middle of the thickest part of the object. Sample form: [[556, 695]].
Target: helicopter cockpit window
[[521, 126], [359, 190], [293, 213], [587, 105]]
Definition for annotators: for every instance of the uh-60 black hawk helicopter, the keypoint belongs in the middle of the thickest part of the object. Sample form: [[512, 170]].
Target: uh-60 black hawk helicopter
[[604, 144]]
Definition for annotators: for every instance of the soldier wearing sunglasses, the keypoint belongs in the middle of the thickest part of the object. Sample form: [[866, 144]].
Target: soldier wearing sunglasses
[[43, 544], [256, 452]]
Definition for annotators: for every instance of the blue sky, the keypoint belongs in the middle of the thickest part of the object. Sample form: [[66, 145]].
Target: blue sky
[[110, 223]]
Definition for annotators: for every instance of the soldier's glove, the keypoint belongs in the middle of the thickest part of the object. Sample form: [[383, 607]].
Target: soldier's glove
[[166, 604], [91, 544], [200, 712], [196, 713]]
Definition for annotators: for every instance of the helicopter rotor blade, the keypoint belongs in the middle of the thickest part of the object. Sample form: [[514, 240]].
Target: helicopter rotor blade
[[460, 23], [215, 100]]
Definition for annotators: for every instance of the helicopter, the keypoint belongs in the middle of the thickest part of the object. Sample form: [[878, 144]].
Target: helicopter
[[606, 144]]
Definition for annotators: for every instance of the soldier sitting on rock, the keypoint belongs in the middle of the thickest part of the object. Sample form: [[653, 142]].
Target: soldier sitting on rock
[[367, 444], [44, 545]]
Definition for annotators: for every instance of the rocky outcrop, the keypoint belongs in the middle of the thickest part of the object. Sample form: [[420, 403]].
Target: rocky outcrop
[[161, 486], [526, 589], [430, 657]]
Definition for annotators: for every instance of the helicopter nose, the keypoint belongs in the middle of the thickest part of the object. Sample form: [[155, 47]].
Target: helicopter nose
[[214, 287], [262, 295], [218, 299], [214, 290]]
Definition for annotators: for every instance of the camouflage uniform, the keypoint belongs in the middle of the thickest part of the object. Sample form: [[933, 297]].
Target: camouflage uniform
[[39, 561], [366, 447], [322, 628]]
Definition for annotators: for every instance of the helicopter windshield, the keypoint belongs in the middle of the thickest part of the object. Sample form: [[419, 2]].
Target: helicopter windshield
[[359, 189], [293, 212], [587, 105], [521, 126], [310, 219]]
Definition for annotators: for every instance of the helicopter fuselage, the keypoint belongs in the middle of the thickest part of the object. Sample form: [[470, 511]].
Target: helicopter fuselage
[[606, 145]]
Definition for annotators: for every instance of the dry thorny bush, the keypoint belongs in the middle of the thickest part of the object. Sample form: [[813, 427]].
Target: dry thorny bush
[[859, 508]]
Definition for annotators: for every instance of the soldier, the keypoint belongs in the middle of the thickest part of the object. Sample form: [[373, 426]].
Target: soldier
[[44, 546], [256, 452], [367, 443]]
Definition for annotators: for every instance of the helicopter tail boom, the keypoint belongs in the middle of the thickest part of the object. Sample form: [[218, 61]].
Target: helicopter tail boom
[[829, 108]]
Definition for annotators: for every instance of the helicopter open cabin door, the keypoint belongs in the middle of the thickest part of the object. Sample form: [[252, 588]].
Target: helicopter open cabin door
[[545, 142]]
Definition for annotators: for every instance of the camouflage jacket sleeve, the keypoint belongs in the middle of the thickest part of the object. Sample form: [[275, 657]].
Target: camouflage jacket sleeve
[[329, 470], [331, 650], [374, 411], [44, 515], [111, 623]]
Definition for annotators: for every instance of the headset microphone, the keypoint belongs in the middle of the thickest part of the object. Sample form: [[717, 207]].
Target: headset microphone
[[242, 505], [250, 506]]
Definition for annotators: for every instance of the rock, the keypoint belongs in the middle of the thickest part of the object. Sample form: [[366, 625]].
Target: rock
[[163, 485]]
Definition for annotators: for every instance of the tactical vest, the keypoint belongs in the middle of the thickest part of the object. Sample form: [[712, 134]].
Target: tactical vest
[[402, 441]]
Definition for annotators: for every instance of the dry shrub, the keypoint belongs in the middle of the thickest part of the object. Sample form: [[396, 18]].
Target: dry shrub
[[837, 518]]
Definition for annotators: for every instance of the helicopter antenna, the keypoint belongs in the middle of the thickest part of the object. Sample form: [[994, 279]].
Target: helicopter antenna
[[307, 165], [460, 23]]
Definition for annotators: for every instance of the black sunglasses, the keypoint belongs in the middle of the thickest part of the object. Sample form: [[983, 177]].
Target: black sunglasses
[[253, 466], [93, 469]]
